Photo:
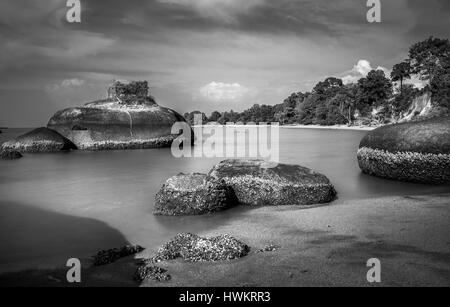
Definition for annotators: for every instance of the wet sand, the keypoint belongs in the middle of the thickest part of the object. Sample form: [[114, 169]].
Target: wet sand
[[321, 246]]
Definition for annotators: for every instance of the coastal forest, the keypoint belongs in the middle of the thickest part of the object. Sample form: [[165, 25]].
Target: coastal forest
[[376, 99]]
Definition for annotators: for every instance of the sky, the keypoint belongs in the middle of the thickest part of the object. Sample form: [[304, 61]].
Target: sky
[[197, 54]]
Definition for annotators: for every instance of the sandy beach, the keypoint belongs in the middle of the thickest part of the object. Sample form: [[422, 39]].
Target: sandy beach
[[320, 246], [335, 127]]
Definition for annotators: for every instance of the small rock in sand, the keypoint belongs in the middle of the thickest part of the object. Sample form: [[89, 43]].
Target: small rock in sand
[[145, 272], [193, 248], [111, 255], [269, 248]]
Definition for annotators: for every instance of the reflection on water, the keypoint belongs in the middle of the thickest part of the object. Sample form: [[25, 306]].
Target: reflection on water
[[44, 197]]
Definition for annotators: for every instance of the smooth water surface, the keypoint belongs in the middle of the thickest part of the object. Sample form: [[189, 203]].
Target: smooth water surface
[[62, 205]]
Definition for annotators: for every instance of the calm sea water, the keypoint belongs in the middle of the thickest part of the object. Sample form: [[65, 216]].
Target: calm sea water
[[62, 205]]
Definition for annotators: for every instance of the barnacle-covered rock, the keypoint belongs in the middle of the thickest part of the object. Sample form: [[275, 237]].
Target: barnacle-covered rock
[[193, 248], [258, 183], [414, 152], [128, 119], [111, 255], [193, 194], [144, 272], [39, 140]]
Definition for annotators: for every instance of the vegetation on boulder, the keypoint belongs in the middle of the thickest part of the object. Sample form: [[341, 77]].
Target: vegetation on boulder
[[128, 119]]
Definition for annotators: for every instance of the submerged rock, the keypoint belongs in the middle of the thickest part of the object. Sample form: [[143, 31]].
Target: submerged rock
[[269, 248], [193, 248], [258, 183], [128, 119], [111, 255], [145, 272], [10, 155], [39, 140], [192, 194], [414, 151]]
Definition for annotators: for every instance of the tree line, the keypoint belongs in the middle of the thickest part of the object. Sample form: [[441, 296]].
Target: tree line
[[374, 98]]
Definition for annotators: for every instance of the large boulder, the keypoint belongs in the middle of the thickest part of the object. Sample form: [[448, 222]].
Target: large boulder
[[258, 183], [38, 140], [192, 194], [128, 119], [414, 151]]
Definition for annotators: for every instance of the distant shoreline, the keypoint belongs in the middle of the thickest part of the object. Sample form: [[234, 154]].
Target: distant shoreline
[[335, 127]]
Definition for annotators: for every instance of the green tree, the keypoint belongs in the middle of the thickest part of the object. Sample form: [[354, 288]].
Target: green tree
[[402, 102], [214, 116], [191, 118], [426, 57], [440, 86], [400, 72], [373, 91]]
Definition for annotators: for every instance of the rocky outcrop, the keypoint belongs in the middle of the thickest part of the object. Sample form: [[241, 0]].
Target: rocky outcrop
[[111, 255], [193, 248], [128, 119], [257, 183], [145, 272], [414, 152], [10, 155], [39, 140], [193, 194]]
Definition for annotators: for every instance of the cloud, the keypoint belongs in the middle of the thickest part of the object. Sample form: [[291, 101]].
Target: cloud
[[360, 70], [272, 47], [65, 84], [226, 10], [224, 92], [363, 67], [72, 82]]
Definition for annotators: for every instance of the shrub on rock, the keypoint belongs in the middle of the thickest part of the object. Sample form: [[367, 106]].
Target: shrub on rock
[[129, 118]]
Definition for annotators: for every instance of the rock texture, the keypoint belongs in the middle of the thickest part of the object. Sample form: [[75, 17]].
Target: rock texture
[[114, 254], [193, 194], [10, 155], [415, 151], [128, 119], [193, 248], [152, 272], [257, 183], [39, 140]]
